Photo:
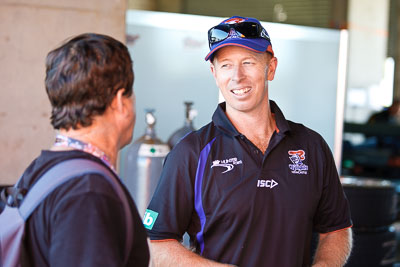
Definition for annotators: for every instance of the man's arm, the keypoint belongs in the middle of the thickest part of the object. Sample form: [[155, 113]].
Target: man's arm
[[333, 248], [172, 253]]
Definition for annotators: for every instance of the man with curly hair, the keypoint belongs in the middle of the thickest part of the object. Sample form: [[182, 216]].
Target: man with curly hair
[[82, 222]]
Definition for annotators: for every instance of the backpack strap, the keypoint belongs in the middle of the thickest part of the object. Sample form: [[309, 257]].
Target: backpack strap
[[66, 170]]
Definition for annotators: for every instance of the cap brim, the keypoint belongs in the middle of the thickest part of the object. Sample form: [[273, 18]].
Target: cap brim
[[258, 45]]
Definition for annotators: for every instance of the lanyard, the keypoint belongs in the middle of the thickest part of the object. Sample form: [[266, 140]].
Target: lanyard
[[65, 141]]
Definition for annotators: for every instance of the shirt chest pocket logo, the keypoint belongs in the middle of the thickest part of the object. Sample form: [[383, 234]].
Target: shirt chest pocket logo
[[229, 164], [297, 157]]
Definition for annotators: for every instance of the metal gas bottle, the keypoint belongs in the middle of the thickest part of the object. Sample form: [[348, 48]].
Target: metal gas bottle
[[143, 164], [187, 126]]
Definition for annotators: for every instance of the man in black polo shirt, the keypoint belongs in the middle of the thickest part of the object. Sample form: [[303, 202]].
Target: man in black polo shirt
[[82, 223], [250, 187]]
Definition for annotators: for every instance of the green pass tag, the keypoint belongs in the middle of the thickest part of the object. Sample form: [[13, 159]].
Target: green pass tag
[[149, 219]]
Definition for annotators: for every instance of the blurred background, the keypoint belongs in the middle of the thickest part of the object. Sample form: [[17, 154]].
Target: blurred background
[[29, 29], [338, 73], [368, 147]]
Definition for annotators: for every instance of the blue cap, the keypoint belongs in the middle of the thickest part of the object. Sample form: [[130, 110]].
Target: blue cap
[[259, 45]]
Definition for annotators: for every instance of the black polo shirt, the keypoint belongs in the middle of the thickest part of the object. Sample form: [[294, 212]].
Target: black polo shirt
[[81, 223], [247, 208]]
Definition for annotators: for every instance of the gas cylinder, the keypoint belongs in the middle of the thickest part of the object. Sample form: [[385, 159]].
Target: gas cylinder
[[143, 164], [190, 114]]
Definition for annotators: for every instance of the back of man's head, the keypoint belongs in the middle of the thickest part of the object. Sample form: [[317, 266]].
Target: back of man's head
[[82, 77]]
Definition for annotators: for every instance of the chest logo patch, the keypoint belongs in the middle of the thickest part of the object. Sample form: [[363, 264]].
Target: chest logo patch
[[297, 157], [267, 183], [229, 164]]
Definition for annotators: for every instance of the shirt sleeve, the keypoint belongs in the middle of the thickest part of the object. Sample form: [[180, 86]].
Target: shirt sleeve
[[333, 212], [170, 211]]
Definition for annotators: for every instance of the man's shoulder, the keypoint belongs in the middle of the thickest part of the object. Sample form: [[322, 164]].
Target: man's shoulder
[[89, 184], [198, 139], [308, 137], [300, 129], [80, 184]]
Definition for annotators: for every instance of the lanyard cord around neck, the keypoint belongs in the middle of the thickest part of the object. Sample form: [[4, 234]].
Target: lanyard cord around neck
[[65, 141]]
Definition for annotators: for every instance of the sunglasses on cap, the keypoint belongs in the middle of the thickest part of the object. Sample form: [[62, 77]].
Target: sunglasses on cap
[[244, 29]]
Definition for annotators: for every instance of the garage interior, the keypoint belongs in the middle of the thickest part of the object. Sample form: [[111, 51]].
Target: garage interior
[[366, 144]]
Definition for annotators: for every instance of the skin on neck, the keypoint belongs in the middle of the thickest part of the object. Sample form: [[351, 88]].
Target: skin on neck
[[254, 125], [110, 131], [94, 135], [258, 128]]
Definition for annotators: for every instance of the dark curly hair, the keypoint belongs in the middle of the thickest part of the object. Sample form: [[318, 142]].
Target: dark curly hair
[[82, 77]]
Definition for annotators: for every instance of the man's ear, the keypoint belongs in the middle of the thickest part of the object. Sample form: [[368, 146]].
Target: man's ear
[[214, 73], [273, 64], [117, 103], [212, 67]]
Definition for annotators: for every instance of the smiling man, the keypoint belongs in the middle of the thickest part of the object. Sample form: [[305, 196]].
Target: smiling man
[[250, 187]]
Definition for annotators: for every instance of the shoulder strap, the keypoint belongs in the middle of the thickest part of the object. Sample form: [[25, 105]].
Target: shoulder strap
[[66, 170]]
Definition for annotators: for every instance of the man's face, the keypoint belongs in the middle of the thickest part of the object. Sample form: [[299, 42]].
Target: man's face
[[131, 118], [242, 76]]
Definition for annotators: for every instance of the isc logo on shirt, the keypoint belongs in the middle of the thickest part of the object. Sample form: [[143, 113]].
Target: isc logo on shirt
[[149, 219], [267, 183]]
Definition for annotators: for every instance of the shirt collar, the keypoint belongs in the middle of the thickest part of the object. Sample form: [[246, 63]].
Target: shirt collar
[[225, 125], [65, 141]]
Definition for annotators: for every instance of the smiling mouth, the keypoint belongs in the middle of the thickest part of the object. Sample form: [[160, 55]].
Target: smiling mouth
[[241, 91]]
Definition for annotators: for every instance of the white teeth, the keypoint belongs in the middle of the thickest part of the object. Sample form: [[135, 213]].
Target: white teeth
[[240, 91]]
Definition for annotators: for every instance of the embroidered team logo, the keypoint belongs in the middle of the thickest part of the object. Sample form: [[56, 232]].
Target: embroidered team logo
[[297, 157], [229, 164], [234, 20]]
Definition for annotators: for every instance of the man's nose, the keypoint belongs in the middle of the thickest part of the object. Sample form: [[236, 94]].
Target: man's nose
[[238, 73]]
